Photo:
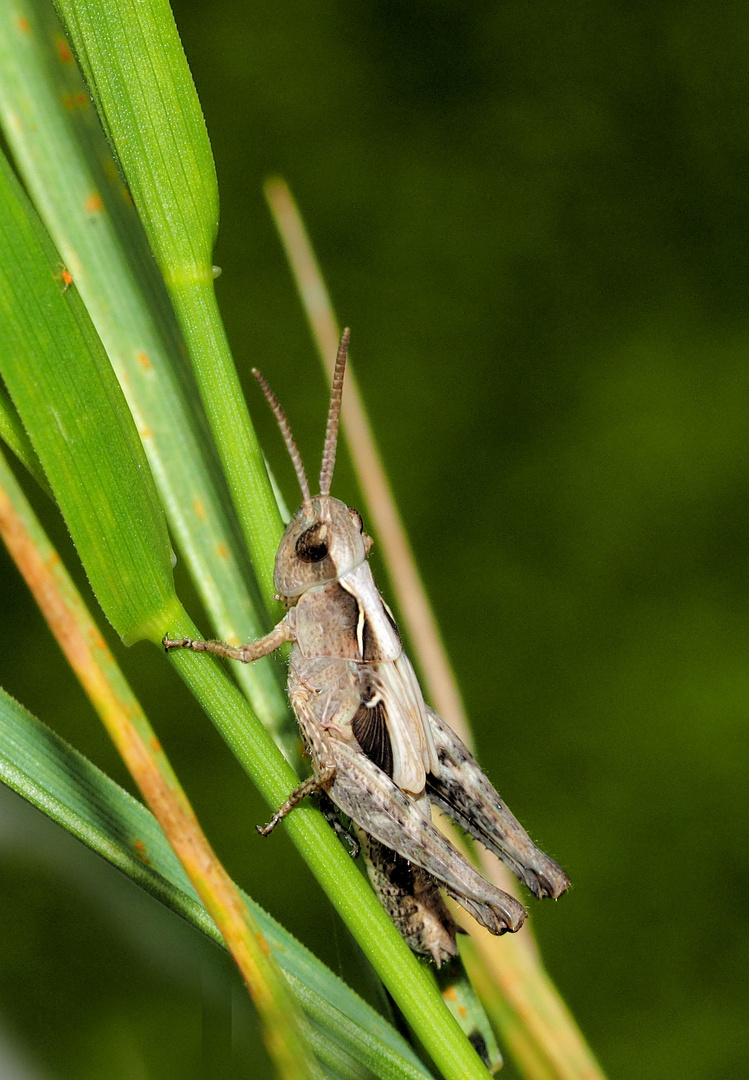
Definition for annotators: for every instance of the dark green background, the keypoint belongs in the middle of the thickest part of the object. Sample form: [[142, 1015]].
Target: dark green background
[[535, 219]]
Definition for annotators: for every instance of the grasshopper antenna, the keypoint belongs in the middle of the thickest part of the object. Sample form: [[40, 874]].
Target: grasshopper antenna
[[288, 438], [331, 432]]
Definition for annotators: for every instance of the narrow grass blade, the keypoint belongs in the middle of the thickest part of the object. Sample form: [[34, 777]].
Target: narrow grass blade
[[136, 69], [127, 557], [64, 158], [14, 436], [97, 670], [463, 1002], [515, 987]]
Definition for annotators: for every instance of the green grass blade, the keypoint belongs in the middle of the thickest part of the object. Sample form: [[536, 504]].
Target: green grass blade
[[64, 158], [138, 75], [13, 434], [127, 557], [51, 775], [463, 1002]]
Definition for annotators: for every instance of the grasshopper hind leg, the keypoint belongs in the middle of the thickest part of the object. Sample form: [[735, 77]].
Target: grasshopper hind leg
[[413, 901], [345, 834]]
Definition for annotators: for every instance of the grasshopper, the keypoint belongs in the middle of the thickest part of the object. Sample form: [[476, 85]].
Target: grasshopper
[[380, 755]]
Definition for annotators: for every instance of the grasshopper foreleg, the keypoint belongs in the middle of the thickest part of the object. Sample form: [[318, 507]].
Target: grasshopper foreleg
[[253, 650]]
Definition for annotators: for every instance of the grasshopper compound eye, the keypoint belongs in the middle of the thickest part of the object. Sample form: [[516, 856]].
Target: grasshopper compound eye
[[312, 545]]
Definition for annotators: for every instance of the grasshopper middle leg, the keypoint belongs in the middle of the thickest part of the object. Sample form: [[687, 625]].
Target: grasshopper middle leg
[[310, 786], [323, 759]]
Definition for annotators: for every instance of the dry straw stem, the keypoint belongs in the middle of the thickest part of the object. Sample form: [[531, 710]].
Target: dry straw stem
[[89, 656], [518, 994], [543, 1036]]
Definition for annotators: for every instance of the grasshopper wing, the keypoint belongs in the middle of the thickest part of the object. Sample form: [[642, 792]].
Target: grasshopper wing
[[464, 793]]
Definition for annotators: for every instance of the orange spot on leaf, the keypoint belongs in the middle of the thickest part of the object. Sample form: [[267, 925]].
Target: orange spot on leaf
[[449, 994], [71, 102], [93, 203], [23, 25], [140, 851], [145, 433], [65, 277], [144, 361], [199, 508], [222, 550], [155, 745], [462, 1010], [63, 50], [95, 640]]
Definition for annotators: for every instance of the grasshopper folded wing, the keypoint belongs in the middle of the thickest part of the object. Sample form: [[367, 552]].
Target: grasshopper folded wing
[[463, 791]]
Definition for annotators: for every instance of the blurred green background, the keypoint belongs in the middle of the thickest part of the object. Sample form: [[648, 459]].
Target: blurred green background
[[535, 219]]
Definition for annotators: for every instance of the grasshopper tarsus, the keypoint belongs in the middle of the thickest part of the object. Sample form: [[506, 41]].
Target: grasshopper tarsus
[[175, 643], [346, 836]]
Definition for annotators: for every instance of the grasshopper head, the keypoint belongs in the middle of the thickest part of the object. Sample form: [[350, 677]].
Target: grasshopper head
[[322, 542]]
